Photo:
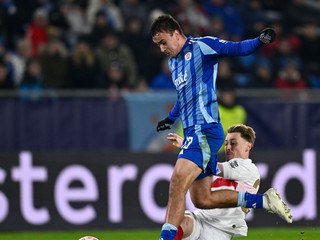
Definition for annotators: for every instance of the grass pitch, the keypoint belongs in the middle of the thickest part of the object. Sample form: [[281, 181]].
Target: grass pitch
[[296, 233]]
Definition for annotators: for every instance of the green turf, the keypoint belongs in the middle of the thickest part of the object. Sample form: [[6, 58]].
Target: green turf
[[297, 233]]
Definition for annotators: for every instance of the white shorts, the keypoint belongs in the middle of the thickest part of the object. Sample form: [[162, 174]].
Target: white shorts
[[204, 231]]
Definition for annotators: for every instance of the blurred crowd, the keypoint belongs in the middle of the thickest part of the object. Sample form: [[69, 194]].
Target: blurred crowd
[[105, 44]]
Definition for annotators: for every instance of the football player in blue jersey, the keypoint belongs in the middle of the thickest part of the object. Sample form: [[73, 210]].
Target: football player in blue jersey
[[193, 63]]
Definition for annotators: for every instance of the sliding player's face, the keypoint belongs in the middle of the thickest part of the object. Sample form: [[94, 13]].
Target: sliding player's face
[[236, 146], [168, 43]]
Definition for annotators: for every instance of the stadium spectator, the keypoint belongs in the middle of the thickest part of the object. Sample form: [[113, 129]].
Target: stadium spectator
[[275, 6], [134, 8], [60, 24], [5, 80], [243, 68], [115, 77], [164, 5], [286, 43], [53, 58], [6, 59], [309, 50], [229, 20], [33, 78], [14, 18], [163, 80], [75, 14], [111, 11], [58, 17], [137, 41], [112, 50], [262, 76], [284, 53], [83, 69], [256, 20], [99, 29], [152, 52], [289, 77], [217, 28], [231, 112], [298, 11], [314, 78], [19, 59], [225, 76], [230, 16], [37, 31], [192, 13]]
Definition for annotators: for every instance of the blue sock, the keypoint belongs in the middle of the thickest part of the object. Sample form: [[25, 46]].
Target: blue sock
[[249, 200], [168, 232]]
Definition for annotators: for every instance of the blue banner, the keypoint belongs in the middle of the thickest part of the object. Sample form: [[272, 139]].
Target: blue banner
[[63, 124], [144, 112]]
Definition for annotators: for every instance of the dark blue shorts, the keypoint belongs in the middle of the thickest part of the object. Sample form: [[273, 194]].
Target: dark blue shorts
[[201, 144]]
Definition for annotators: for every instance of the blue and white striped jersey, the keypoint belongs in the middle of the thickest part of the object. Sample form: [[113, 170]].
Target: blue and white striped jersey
[[194, 74]]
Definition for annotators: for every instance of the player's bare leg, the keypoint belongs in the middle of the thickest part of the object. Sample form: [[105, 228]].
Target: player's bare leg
[[185, 172]]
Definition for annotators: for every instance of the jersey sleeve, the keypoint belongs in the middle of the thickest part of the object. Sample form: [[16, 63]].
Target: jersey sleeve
[[232, 170], [246, 174], [174, 114], [223, 48], [238, 170]]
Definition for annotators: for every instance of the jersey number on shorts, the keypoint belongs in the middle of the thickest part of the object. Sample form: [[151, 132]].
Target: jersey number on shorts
[[186, 144]]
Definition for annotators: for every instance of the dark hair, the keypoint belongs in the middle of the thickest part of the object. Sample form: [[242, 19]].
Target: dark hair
[[246, 132], [165, 23]]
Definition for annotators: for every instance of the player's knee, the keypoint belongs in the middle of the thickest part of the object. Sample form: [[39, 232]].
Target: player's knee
[[187, 225], [187, 221]]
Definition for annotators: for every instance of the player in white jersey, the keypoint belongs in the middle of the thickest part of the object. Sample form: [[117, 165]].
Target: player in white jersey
[[237, 173]]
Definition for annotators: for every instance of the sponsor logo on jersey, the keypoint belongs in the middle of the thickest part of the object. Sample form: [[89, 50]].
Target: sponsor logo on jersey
[[181, 80], [233, 164]]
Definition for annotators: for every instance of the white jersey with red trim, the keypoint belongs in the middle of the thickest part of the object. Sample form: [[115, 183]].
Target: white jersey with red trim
[[241, 175]]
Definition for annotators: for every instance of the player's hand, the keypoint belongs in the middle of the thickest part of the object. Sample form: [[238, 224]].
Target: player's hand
[[175, 139], [164, 124], [267, 35]]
